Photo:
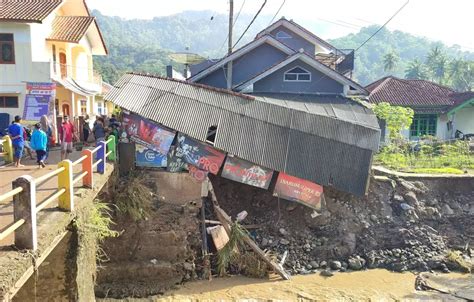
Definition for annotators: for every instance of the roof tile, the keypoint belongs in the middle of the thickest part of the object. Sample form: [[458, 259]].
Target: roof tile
[[27, 10], [70, 28]]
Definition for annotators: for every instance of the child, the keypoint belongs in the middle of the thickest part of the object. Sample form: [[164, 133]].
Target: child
[[39, 142]]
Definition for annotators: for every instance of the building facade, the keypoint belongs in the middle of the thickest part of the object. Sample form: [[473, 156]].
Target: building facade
[[49, 41]]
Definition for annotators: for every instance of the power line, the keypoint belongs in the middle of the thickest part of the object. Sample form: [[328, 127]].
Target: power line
[[251, 22], [283, 3], [381, 27], [235, 21]]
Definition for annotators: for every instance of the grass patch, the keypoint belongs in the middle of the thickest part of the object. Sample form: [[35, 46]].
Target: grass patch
[[456, 258], [436, 171], [133, 198]]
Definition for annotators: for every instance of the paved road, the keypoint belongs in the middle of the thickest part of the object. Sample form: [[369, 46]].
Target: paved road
[[10, 173]]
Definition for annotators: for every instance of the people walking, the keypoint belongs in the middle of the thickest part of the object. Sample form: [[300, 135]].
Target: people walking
[[86, 129], [67, 137], [39, 143], [47, 128], [15, 131], [99, 130]]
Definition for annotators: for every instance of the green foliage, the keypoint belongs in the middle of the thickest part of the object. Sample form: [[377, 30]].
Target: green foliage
[[231, 251], [133, 198], [432, 157], [390, 60], [397, 118]]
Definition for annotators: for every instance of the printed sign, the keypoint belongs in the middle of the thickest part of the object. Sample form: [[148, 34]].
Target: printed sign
[[197, 174], [175, 162], [240, 170], [299, 190], [145, 157], [148, 134], [35, 107], [198, 154], [39, 100]]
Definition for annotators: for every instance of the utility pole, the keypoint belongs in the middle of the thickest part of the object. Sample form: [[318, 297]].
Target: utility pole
[[229, 49]]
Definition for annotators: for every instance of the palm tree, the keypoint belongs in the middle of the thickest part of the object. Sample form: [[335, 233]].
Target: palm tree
[[390, 60], [416, 70], [437, 64]]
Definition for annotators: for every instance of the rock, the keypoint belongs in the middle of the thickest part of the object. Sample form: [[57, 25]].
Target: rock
[[432, 212], [398, 198], [411, 198], [283, 231], [314, 264], [284, 242], [354, 264], [290, 207], [335, 265], [323, 264], [188, 266], [326, 273], [446, 210], [374, 218], [343, 269], [264, 242], [406, 206], [154, 261]]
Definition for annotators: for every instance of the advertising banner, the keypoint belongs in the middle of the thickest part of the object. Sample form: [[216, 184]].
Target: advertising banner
[[197, 174], [175, 163], [148, 134], [199, 154], [145, 157], [245, 172], [39, 100], [299, 190]]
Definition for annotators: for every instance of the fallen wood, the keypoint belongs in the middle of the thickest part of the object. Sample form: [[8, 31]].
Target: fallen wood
[[226, 221]]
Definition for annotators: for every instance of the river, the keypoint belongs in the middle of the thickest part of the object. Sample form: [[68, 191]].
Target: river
[[370, 285]]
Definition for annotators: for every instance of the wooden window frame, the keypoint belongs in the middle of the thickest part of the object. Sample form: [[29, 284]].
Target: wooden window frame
[[3, 101], [423, 125], [12, 42]]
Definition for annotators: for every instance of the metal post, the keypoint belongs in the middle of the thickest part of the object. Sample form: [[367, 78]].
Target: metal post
[[101, 156], [88, 180], [112, 147], [24, 207], [8, 148], [66, 200], [229, 48]]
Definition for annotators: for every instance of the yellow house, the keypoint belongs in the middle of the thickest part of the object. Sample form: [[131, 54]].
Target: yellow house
[[49, 41]]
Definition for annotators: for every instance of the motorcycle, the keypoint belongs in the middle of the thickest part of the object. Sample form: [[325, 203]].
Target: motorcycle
[[466, 137]]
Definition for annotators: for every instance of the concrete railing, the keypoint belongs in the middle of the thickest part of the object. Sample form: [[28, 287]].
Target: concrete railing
[[7, 153], [25, 206]]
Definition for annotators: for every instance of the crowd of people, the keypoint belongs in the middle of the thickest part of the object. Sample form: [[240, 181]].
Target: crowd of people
[[41, 138]]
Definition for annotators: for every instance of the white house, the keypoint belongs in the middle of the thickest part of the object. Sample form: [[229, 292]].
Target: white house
[[49, 41]]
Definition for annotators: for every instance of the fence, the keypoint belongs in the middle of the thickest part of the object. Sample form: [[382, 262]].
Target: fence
[[25, 206], [7, 152]]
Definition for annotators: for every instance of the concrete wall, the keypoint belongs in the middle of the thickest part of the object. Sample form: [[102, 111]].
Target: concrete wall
[[246, 66], [464, 120], [296, 42], [320, 83]]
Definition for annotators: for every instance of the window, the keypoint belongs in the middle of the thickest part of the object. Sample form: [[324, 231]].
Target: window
[[63, 64], [211, 134], [282, 35], [54, 58], [83, 107], [8, 101], [423, 124], [7, 49], [100, 108], [297, 74]]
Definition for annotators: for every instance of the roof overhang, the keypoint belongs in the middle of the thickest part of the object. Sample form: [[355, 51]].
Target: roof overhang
[[240, 52], [325, 46], [313, 63], [461, 106]]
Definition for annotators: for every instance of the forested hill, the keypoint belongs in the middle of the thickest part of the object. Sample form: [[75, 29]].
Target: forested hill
[[144, 45]]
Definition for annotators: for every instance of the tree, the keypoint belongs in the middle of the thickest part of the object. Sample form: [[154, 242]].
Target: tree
[[437, 64], [463, 78], [397, 118], [416, 70], [390, 60]]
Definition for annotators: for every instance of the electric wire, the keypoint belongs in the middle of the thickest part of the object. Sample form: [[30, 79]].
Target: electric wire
[[251, 22], [278, 11]]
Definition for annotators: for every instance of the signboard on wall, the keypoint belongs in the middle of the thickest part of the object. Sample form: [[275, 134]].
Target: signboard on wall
[[245, 172], [175, 162], [145, 157], [39, 101], [299, 190], [199, 154], [148, 134]]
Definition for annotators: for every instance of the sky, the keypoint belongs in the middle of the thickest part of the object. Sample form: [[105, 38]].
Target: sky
[[448, 21]]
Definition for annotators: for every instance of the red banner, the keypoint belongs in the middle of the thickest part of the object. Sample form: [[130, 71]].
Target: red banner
[[246, 172], [299, 190]]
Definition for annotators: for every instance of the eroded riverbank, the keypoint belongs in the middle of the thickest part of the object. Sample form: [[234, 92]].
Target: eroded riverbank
[[374, 285]]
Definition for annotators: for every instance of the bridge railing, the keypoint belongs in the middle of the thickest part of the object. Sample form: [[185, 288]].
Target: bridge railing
[[7, 147], [24, 189]]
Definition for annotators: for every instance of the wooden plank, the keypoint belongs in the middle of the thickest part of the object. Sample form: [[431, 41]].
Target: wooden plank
[[226, 221]]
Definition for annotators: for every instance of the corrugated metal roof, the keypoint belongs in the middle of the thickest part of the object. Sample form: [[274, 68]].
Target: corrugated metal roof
[[70, 28], [312, 140], [27, 10]]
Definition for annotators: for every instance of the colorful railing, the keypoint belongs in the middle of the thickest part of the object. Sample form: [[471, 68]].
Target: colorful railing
[[25, 205], [7, 153]]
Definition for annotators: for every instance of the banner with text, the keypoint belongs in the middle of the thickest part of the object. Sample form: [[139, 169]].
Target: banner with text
[[299, 190], [145, 157], [175, 161], [39, 101], [199, 154], [148, 134], [245, 172]]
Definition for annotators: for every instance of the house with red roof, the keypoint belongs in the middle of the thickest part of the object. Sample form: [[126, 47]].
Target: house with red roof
[[439, 110]]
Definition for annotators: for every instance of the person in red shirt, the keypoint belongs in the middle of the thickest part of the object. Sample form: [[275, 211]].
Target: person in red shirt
[[67, 137]]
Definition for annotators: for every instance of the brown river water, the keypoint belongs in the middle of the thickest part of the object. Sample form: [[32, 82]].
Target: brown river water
[[371, 285]]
